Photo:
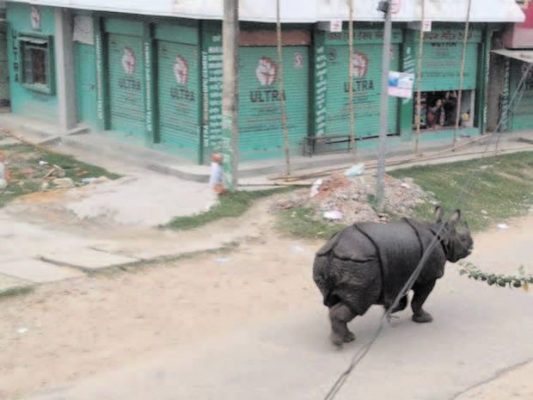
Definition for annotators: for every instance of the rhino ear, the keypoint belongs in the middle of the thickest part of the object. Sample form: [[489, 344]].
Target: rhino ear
[[456, 217], [438, 213]]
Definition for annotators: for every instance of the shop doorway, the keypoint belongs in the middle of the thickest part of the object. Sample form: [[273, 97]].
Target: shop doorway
[[439, 110]]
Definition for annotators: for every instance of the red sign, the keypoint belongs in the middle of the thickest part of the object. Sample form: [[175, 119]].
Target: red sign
[[528, 9]]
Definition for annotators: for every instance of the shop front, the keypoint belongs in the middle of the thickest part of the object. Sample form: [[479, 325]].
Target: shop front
[[333, 90], [30, 47], [178, 88], [521, 112], [441, 78], [126, 77], [260, 97], [4, 78]]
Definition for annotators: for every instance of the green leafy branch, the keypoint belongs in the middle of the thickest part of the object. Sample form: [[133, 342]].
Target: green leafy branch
[[513, 281]]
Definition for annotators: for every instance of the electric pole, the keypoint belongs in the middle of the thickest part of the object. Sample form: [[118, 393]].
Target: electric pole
[[384, 6], [230, 92]]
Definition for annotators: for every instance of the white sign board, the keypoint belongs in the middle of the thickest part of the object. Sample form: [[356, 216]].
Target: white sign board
[[335, 25], [401, 84], [395, 6], [83, 29], [426, 25]]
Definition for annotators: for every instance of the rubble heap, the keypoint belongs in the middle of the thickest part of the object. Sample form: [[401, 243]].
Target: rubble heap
[[352, 199]]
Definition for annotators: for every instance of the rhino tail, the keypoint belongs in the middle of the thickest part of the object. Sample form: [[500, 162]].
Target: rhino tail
[[323, 279]]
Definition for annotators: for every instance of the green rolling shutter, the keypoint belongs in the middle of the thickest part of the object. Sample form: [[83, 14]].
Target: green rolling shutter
[[260, 127], [85, 62], [441, 66], [522, 113], [366, 87], [179, 100], [126, 85]]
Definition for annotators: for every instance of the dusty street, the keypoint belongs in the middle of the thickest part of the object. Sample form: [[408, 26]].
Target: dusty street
[[249, 322]]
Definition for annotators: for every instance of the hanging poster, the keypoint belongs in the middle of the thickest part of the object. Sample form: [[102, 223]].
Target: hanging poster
[[83, 30], [401, 84]]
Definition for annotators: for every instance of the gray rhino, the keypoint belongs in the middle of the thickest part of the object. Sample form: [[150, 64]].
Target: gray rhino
[[369, 263]]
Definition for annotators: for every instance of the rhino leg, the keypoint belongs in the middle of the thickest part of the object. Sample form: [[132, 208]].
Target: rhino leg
[[401, 305], [422, 292], [339, 315]]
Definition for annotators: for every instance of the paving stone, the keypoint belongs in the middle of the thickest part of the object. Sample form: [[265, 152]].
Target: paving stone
[[8, 282], [86, 259], [37, 271]]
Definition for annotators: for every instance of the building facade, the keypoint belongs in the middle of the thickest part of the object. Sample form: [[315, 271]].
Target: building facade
[[156, 80], [516, 105]]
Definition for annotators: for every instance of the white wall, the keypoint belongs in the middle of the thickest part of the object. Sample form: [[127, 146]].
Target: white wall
[[306, 10]]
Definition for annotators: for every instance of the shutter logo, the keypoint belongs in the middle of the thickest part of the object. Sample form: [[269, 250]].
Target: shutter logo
[[181, 70], [266, 71], [298, 60], [359, 65], [35, 16], [129, 61]]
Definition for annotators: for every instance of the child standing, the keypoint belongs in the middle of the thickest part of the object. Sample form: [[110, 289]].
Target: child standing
[[216, 180], [4, 174]]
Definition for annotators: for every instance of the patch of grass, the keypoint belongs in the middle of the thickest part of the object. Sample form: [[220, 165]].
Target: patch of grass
[[231, 205], [487, 190], [303, 223], [27, 175], [76, 170], [15, 291]]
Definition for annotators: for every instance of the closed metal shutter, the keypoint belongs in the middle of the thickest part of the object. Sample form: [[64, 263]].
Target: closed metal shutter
[[366, 86], [179, 102], [85, 62], [4, 80], [522, 113], [126, 85], [260, 127], [441, 66]]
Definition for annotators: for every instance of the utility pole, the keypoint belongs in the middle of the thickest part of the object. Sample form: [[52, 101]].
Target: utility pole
[[351, 107], [384, 6], [281, 86], [419, 77], [230, 93]]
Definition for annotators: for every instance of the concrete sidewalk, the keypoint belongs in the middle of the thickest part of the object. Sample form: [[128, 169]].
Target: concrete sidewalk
[[106, 150]]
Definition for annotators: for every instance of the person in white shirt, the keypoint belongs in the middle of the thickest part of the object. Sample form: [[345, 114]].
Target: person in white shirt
[[216, 179], [4, 174]]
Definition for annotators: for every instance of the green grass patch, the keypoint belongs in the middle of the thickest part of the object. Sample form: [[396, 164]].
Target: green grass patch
[[15, 291], [28, 174], [487, 190], [230, 205], [77, 170], [303, 222]]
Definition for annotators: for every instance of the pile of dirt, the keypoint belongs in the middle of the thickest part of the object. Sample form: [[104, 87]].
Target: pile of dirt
[[348, 200]]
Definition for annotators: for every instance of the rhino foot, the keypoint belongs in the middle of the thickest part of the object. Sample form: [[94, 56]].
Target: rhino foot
[[422, 317], [349, 337], [339, 340]]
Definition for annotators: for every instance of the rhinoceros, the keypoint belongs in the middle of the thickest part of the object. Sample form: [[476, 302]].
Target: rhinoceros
[[369, 263]]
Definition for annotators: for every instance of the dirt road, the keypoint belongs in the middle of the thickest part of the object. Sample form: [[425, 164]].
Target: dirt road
[[249, 323]]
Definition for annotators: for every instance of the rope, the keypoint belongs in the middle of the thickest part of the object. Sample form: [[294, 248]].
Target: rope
[[350, 78], [281, 85], [419, 77], [363, 351], [462, 74]]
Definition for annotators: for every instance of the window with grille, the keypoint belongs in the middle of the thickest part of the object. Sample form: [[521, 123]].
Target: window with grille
[[35, 64]]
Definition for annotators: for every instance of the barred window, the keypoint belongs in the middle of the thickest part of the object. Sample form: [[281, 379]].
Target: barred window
[[36, 65]]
